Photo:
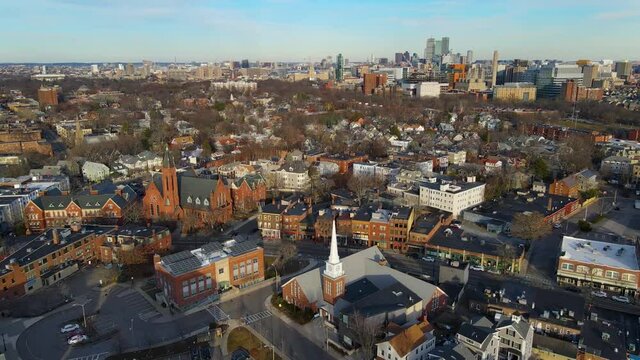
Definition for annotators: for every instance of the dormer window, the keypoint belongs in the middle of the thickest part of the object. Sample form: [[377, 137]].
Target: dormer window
[[189, 200], [197, 201], [206, 202]]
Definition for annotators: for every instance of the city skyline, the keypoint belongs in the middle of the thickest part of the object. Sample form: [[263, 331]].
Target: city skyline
[[291, 30]]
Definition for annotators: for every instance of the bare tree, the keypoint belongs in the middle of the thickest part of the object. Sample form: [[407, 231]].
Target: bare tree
[[288, 251], [530, 226], [362, 186], [365, 332], [133, 213]]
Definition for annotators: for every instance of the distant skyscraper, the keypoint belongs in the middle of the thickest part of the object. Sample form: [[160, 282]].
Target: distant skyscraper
[[245, 64], [430, 50], [469, 56], [406, 57], [445, 45], [494, 68], [438, 48], [623, 69], [129, 70], [383, 61], [339, 68], [44, 70], [398, 58], [551, 78], [94, 69]]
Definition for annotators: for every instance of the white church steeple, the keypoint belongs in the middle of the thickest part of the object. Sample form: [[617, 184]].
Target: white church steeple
[[333, 268]]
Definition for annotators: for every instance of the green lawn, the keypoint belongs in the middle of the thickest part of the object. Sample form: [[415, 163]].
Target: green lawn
[[241, 337], [298, 315]]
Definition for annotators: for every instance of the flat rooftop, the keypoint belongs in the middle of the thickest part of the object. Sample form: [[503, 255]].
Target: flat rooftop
[[600, 253]]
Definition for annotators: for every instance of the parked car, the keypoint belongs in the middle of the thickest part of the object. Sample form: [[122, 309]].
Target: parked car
[[77, 339], [69, 328], [622, 299], [600, 294], [428, 259], [476, 267]]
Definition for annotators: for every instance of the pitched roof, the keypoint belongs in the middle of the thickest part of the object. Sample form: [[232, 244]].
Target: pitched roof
[[197, 189], [408, 340]]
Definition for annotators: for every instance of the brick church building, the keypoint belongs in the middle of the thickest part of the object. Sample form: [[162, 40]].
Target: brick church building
[[207, 199]]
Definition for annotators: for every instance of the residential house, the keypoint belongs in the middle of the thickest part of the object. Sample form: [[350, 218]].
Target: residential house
[[411, 343], [95, 172], [451, 196], [293, 176]]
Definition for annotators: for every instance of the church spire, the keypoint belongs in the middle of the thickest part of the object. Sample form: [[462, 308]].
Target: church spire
[[333, 266], [167, 160], [334, 258]]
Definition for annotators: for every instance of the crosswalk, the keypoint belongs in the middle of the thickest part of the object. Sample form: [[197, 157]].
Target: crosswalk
[[98, 356], [138, 303], [218, 314], [249, 319]]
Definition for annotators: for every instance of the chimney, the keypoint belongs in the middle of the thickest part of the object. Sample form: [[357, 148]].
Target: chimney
[[55, 236], [550, 204]]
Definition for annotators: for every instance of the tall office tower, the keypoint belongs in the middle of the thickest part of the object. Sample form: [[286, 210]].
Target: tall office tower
[[398, 58], [438, 49], [129, 70], [245, 64], [44, 70], [415, 59], [120, 67], [469, 56], [623, 69], [494, 68], [589, 73], [94, 69], [430, 50], [551, 78], [383, 61], [445, 46], [372, 82], [339, 68], [406, 56]]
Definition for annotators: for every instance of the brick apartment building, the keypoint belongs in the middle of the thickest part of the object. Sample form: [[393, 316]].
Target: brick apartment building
[[189, 278], [48, 96], [344, 161], [49, 257], [248, 192], [372, 82], [104, 203]]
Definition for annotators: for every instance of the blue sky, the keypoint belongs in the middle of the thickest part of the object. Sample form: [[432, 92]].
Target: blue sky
[[280, 30]]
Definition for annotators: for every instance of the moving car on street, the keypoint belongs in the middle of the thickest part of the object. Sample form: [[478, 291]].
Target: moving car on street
[[600, 294], [77, 339]]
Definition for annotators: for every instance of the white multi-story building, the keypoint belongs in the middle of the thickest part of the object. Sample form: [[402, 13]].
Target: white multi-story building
[[293, 176], [365, 168], [92, 171], [450, 196], [510, 338], [457, 157]]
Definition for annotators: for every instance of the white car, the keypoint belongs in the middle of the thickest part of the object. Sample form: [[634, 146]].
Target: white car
[[69, 328], [77, 339], [477, 267], [600, 294], [622, 299], [428, 259]]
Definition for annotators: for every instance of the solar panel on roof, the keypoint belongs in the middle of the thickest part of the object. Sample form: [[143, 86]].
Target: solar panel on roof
[[185, 265], [177, 257]]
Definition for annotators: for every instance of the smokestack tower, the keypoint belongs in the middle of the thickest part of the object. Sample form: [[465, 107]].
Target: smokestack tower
[[494, 68]]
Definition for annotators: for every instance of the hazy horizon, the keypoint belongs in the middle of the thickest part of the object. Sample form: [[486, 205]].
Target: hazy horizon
[[119, 31]]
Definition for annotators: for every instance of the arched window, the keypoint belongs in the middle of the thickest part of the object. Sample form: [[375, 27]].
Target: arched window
[[167, 202], [197, 201]]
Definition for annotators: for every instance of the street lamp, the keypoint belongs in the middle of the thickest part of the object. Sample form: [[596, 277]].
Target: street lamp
[[84, 316]]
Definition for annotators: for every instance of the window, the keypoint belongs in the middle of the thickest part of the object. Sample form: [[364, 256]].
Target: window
[[194, 290], [201, 283], [221, 271], [189, 200], [567, 266], [185, 289], [209, 281], [255, 265], [629, 277], [197, 201], [612, 274]]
